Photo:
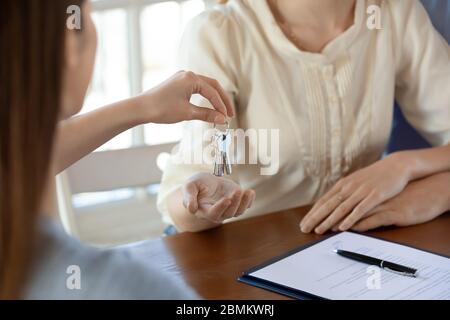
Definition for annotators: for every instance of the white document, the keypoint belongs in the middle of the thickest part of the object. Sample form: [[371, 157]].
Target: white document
[[320, 271]]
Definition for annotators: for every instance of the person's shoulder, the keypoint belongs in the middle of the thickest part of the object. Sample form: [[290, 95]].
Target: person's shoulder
[[407, 17], [221, 21], [403, 9], [127, 277], [67, 269]]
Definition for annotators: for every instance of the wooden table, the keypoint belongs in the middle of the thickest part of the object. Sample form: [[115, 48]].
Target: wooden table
[[211, 261]]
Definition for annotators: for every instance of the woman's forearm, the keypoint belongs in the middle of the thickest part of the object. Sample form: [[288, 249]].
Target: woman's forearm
[[183, 219], [436, 189], [167, 103], [446, 189], [424, 162], [80, 135]]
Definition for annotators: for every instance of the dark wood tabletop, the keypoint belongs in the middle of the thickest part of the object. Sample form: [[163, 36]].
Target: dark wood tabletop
[[211, 261]]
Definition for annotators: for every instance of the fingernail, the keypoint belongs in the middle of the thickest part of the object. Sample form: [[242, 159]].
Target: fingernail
[[318, 230], [343, 227], [219, 119]]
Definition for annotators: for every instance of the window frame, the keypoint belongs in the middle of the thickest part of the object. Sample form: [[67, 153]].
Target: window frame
[[133, 10]]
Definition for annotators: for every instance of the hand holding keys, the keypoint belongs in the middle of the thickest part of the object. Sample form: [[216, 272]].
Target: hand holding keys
[[213, 197]]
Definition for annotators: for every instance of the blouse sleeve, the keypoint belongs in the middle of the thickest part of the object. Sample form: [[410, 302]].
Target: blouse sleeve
[[206, 48], [423, 71]]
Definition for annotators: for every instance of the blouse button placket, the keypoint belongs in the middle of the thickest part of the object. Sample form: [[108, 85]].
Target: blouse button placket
[[335, 120]]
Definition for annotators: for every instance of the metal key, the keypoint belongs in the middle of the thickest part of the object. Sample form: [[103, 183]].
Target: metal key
[[222, 141]]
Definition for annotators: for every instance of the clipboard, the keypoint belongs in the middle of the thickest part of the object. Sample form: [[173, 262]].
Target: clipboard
[[296, 293]]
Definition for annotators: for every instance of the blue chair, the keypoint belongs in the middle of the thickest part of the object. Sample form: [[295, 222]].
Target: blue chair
[[404, 136]]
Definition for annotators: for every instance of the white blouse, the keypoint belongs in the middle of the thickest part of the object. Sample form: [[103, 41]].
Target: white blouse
[[334, 109]]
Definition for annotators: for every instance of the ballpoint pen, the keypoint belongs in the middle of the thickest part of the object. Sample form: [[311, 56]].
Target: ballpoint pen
[[383, 264]]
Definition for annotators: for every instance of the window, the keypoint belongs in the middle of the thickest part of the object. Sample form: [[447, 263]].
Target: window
[[138, 42], [111, 78], [137, 47]]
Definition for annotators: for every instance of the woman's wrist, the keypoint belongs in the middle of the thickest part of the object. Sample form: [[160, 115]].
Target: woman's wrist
[[122, 115], [440, 186], [406, 163], [421, 163], [447, 189], [416, 164], [437, 189], [134, 111]]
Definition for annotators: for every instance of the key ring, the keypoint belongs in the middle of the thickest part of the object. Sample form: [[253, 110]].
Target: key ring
[[220, 137], [221, 127]]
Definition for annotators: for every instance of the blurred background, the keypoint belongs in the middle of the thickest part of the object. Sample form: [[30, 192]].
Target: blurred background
[[109, 197]]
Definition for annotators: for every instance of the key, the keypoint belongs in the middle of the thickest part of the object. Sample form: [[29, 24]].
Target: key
[[222, 142], [220, 159], [224, 148]]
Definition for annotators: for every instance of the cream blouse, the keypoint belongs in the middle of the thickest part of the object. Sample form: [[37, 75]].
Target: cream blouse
[[334, 110]]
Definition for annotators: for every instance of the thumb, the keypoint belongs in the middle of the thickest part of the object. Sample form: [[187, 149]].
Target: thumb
[[206, 114], [190, 193]]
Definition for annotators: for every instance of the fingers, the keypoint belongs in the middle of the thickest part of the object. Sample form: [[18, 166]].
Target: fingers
[[241, 201], [235, 202], [223, 94], [369, 213], [314, 217], [335, 228], [336, 225], [340, 212], [327, 196], [206, 114], [246, 202], [218, 209], [361, 209], [379, 219], [190, 193], [311, 220], [209, 92], [252, 199], [232, 207]]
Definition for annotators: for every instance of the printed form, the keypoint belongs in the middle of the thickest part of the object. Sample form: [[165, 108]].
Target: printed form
[[320, 271]]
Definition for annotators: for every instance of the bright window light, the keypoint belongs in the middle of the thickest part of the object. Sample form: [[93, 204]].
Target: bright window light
[[110, 82], [161, 25]]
